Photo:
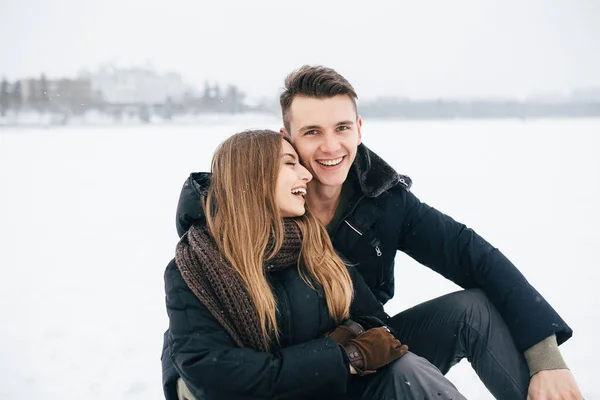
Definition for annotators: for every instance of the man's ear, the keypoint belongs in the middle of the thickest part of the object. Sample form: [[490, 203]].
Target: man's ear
[[284, 132], [359, 128]]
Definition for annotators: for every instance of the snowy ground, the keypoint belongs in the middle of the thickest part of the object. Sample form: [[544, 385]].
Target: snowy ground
[[87, 225]]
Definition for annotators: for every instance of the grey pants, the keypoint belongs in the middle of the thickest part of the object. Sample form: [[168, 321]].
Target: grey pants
[[466, 324], [408, 378]]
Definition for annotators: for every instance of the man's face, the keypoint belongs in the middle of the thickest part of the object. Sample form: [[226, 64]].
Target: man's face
[[326, 134]]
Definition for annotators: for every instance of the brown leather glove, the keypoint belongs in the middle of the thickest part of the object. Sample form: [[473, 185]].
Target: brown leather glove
[[345, 331], [374, 349]]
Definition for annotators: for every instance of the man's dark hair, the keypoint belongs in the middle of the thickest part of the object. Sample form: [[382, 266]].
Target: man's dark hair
[[313, 81]]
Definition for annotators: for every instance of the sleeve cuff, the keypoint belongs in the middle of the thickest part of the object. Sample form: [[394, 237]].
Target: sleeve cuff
[[544, 356]]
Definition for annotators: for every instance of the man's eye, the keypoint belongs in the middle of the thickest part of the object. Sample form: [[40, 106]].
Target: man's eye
[[343, 128], [311, 132]]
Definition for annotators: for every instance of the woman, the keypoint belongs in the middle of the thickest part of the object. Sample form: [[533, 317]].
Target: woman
[[260, 306]]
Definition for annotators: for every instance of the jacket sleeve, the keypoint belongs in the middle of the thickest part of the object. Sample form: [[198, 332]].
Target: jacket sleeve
[[364, 303], [461, 255], [207, 359]]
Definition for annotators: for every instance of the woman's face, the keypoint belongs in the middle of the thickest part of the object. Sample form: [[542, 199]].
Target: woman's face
[[290, 189]]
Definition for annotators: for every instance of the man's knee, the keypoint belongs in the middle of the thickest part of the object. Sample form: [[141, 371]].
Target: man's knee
[[474, 308]]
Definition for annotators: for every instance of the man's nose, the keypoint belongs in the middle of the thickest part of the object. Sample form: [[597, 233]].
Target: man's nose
[[330, 144]]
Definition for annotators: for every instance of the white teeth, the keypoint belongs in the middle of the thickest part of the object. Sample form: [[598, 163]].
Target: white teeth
[[300, 191], [330, 163]]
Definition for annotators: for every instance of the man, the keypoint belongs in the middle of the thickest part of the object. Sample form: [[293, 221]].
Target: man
[[499, 322]]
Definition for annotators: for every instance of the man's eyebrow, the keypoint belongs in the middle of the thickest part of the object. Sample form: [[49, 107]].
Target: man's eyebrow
[[310, 127]]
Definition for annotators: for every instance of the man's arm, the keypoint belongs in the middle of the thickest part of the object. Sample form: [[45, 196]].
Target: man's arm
[[461, 255]]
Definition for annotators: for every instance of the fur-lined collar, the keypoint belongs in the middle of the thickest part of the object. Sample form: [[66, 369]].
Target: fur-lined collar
[[374, 175]]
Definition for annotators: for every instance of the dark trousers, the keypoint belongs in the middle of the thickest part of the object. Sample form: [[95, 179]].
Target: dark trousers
[[408, 378], [465, 324]]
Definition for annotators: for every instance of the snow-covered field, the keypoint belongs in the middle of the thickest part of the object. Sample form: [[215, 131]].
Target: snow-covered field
[[87, 225]]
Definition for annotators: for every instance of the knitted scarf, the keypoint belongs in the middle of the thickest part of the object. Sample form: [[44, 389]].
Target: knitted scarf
[[219, 287]]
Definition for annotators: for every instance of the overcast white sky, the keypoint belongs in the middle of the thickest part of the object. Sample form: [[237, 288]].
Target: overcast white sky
[[420, 49]]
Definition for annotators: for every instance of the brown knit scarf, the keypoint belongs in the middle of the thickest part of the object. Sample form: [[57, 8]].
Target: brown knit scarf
[[218, 286]]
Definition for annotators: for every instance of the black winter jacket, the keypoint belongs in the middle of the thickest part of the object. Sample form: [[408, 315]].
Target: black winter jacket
[[384, 216], [307, 365]]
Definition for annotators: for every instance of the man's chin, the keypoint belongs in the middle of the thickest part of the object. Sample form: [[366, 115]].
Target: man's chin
[[332, 181], [329, 178]]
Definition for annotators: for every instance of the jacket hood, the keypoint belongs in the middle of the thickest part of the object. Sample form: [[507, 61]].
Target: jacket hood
[[189, 207], [373, 175]]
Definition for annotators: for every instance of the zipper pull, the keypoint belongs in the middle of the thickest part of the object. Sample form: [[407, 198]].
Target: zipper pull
[[375, 243]]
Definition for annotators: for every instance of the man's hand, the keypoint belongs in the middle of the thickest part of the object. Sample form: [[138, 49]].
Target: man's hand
[[558, 384]]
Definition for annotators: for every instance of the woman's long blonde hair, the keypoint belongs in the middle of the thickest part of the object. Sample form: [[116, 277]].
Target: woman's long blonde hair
[[241, 214]]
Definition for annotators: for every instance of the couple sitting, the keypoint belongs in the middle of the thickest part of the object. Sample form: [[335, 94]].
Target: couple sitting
[[261, 306]]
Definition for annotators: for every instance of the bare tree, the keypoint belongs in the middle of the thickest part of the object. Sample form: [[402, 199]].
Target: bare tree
[[4, 97]]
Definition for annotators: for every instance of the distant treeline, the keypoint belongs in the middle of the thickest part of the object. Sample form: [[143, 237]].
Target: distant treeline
[[447, 109], [123, 96]]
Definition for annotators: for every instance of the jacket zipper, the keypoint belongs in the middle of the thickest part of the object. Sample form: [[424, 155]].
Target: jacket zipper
[[375, 243]]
